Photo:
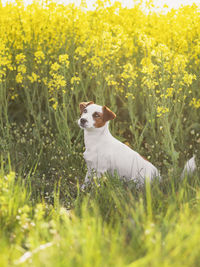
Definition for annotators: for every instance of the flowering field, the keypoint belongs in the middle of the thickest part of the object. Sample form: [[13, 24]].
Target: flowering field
[[144, 67]]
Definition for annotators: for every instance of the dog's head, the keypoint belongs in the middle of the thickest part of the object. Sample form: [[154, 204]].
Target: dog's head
[[94, 116]]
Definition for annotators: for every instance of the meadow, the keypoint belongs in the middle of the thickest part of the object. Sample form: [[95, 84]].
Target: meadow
[[146, 68]]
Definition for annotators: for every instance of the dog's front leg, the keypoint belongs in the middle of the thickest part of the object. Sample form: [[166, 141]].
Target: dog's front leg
[[90, 174], [100, 173], [87, 180]]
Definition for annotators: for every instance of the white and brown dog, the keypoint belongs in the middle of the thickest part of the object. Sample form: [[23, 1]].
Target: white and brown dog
[[104, 153], [190, 167]]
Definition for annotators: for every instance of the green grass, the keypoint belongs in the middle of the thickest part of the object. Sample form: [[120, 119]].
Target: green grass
[[112, 223]]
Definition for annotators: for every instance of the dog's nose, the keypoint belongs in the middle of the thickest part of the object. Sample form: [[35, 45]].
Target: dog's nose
[[83, 121]]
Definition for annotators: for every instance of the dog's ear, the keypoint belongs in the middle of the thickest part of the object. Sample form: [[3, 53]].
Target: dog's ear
[[108, 114], [83, 105]]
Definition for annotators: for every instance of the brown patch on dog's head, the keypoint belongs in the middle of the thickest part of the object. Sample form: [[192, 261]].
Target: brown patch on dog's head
[[101, 118], [83, 105], [98, 118]]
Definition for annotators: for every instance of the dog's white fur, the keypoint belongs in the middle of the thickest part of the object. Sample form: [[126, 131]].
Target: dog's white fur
[[189, 167], [104, 153]]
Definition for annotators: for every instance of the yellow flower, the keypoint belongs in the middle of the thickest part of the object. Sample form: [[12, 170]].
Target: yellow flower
[[22, 69], [33, 78], [64, 59], [130, 95], [195, 103], [110, 80], [157, 58], [81, 51], [19, 78], [14, 96], [44, 80], [39, 56], [20, 58], [169, 92], [161, 111], [55, 66], [188, 78], [55, 105], [56, 83], [75, 79]]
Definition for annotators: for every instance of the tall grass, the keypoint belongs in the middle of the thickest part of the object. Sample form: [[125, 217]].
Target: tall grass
[[112, 224], [146, 69]]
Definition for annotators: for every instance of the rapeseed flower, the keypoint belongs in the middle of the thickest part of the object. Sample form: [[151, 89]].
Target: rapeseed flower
[[125, 51], [195, 103]]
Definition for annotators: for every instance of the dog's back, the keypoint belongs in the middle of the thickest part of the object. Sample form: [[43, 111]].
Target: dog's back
[[128, 163]]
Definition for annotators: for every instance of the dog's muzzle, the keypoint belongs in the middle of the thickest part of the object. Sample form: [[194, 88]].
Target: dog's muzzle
[[83, 122]]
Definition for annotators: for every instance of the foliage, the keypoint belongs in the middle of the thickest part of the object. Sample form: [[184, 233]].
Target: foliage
[[145, 67], [111, 224]]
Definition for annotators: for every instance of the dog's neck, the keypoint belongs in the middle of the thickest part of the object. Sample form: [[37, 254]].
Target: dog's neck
[[94, 135]]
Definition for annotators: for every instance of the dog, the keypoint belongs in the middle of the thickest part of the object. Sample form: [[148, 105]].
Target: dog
[[190, 167], [106, 154]]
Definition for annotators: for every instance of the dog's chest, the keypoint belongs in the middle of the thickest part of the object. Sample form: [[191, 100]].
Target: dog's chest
[[96, 157], [89, 155]]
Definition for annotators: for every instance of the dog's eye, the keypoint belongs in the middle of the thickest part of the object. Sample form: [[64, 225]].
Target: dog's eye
[[96, 115], [85, 111]]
